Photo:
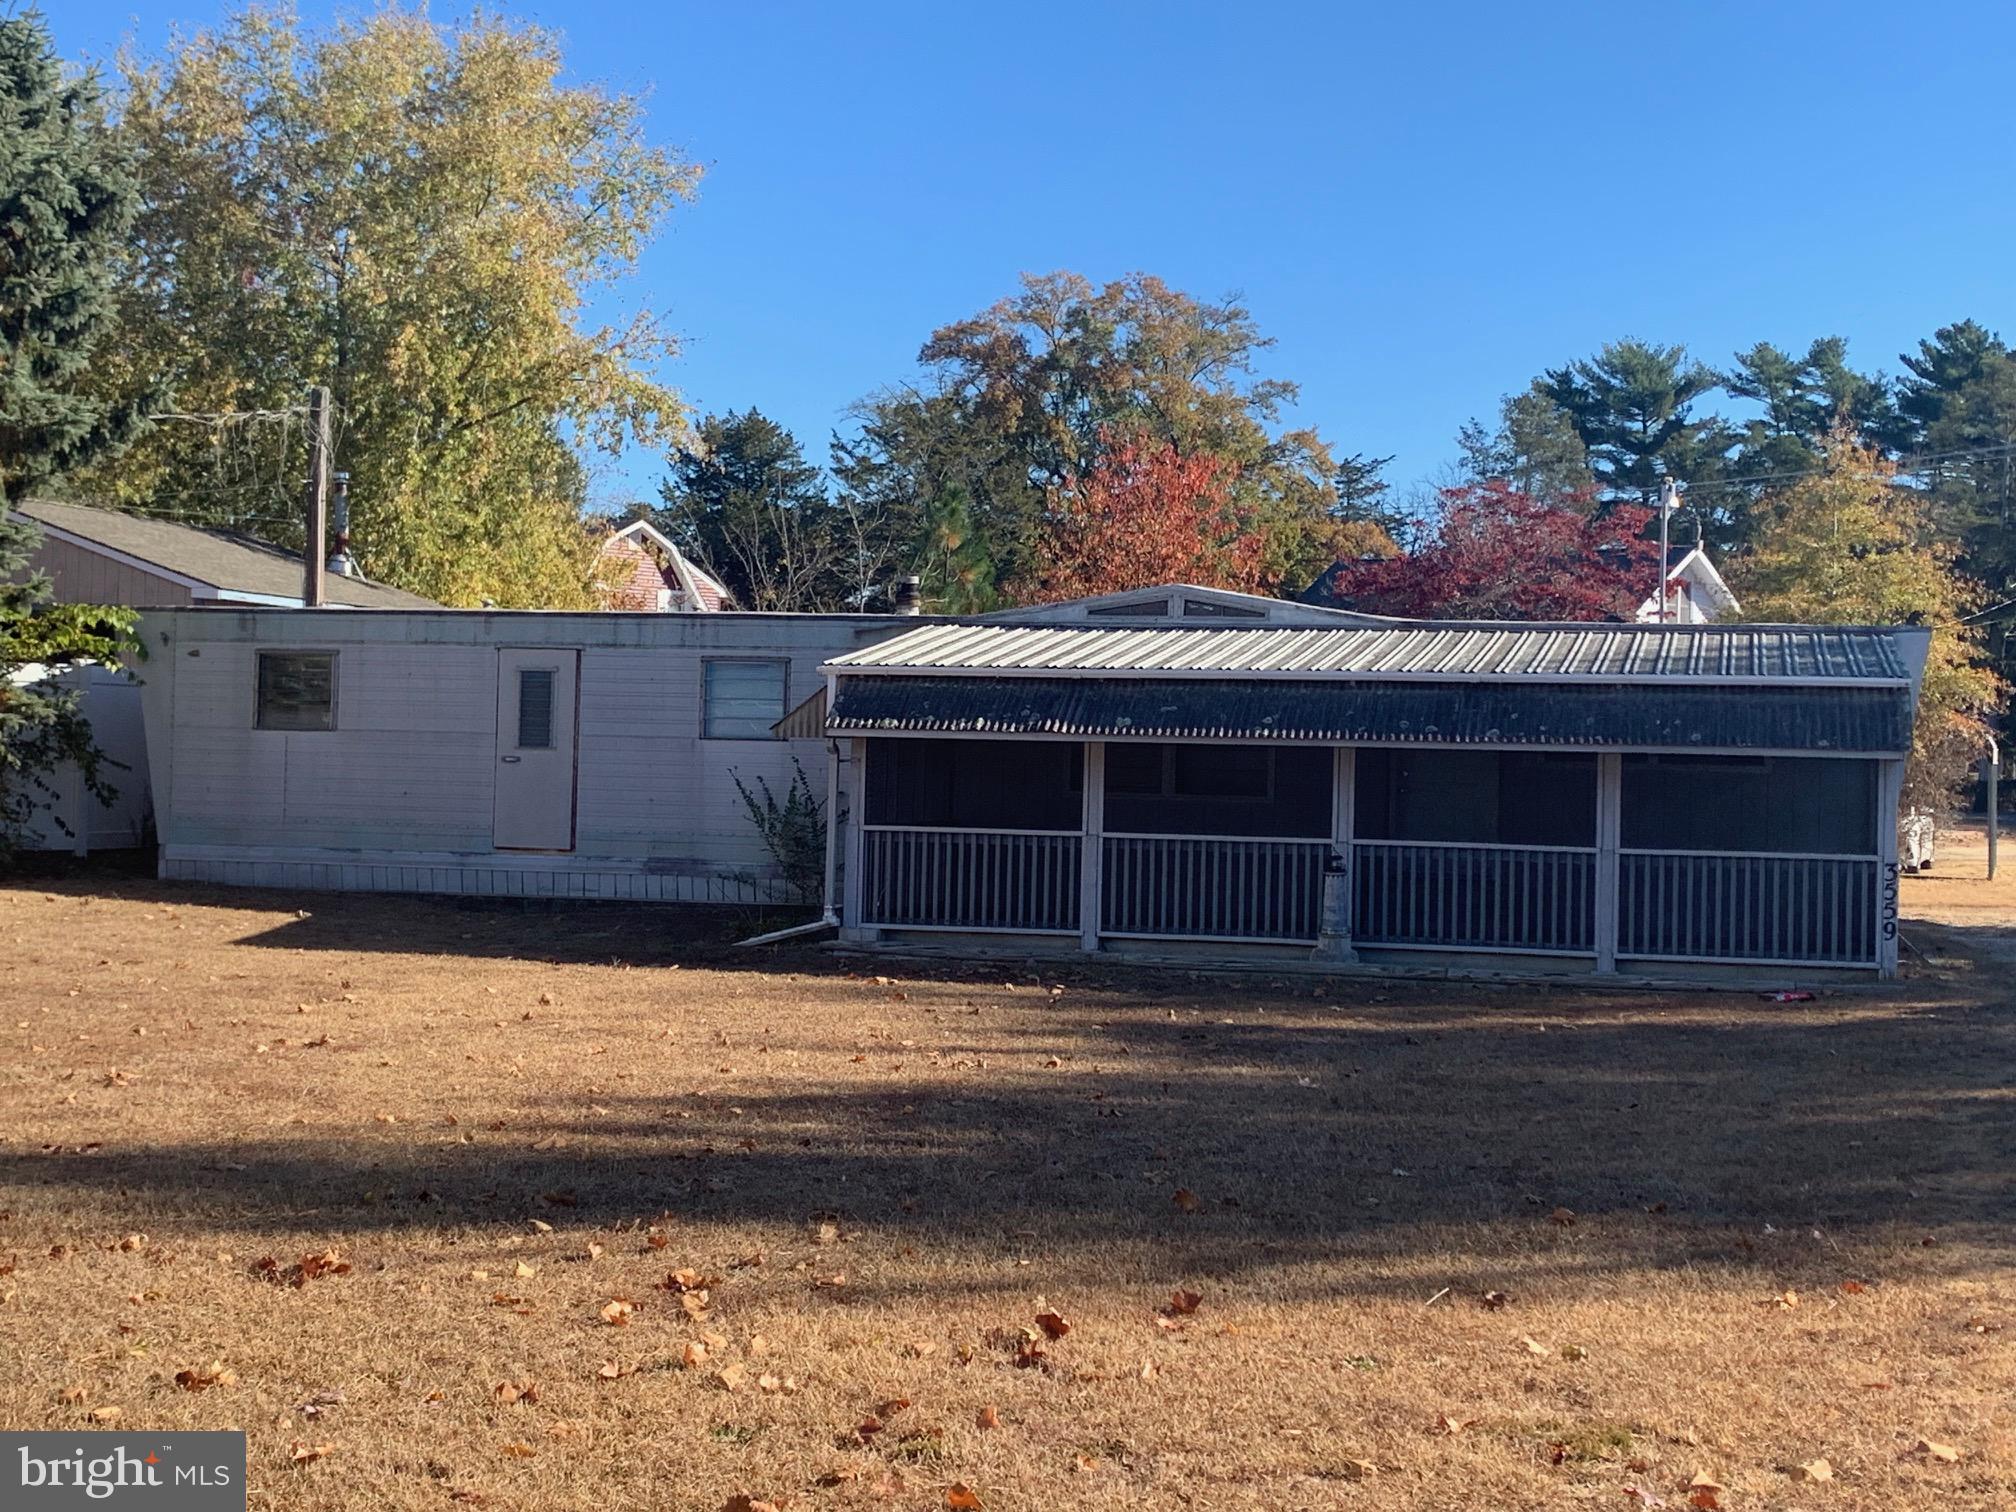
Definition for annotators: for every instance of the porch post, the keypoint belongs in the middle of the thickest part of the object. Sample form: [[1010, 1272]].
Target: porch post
[[1092, 846], [1609, 827], [852, 883], [1334, 943], [1889, 793]]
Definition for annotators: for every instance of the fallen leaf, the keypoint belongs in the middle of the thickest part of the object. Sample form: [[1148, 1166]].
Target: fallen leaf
[[961, 1497], [1493, 1300], [617, 1313], [1563, 1216], [694, 1355], [328, 1263], [988, 1417], [1452, 1425], [1853, 1288], [541, 1226], [1705, 1498], [612, 1370], [104, 1414], [1183, 1303], [1946, 1454], [1357, 1469], [524, 1389], [1813, 1470], [731, 1377], [300, 1452], [1055, 1324], [524, 1272], [1534, 1346], [213, 1374], [1186, 1200], [516, 1450]]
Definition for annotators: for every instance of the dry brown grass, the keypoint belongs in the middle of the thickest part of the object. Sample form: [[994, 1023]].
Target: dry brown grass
[[425, 1087]]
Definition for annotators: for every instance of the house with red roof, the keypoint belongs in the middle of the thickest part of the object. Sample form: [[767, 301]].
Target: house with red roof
[[640, 571]]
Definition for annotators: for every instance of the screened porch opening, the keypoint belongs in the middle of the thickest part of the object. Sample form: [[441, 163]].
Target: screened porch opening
[[1490, 850], [1215, 842], [1749, 858], [973, 834]]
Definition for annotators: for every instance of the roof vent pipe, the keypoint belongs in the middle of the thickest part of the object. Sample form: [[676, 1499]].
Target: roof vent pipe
[[340, 561], [909, 595]]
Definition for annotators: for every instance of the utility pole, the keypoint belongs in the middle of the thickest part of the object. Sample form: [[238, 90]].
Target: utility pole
[[1669, 501], [317, 551]]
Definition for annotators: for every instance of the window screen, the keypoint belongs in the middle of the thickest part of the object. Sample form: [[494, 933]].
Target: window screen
[[743, 699], [1476, 797], [297, 690], [535, 709], [976, 784], [1823, 805], [1166, 789]]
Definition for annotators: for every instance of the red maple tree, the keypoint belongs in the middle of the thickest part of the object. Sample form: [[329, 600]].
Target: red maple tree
[[1498, 554], [1144, 514]]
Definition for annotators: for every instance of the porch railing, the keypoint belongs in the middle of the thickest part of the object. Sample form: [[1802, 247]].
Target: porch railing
[[1798, 909], [1539, 899], [970, 878], [1212, 887]]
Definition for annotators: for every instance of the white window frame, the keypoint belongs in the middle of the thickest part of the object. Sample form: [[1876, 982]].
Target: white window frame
[[707, 665]]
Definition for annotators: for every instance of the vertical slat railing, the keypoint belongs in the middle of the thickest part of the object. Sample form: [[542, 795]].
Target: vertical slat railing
[[970, 878], [1797, 909], [1215, 887], [1430, 894]]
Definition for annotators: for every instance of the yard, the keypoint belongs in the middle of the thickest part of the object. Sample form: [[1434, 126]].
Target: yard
[[469, 1206]]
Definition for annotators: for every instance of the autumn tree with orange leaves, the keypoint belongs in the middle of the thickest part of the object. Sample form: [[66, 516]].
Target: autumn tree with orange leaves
[[1145, 514]]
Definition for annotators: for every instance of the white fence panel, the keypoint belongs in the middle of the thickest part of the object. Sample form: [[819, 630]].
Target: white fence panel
[[1213, 887], [970, 879], [1680, 905], [1497, 897]]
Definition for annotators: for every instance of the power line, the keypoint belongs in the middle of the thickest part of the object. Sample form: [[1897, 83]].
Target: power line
[[1910, 466]]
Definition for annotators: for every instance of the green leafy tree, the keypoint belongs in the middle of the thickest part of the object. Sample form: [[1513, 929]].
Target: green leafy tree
[[744, 501], [428, 220], [1534, 451], [1017, 400], [66, 200], [1847, 545]]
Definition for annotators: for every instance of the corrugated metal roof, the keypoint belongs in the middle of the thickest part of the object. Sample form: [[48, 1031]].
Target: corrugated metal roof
[[1683, 718], [1778, 654]]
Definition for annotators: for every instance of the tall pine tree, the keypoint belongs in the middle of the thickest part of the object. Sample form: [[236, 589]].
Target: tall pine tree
[[66, 200]]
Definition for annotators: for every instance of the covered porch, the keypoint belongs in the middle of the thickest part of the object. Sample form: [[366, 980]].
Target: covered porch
[[1591, 861], [1588, 798]]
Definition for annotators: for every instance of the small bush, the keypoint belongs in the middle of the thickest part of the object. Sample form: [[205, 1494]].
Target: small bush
[[793, 829]]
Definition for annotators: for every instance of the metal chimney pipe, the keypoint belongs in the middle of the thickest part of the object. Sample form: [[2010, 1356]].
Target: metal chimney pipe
[[340, 561], [909, 595]]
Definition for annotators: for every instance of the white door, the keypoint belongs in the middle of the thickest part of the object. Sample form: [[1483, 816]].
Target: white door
[[535, 750]]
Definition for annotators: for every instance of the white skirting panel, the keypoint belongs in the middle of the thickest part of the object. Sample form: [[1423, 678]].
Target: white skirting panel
[[486, 876]]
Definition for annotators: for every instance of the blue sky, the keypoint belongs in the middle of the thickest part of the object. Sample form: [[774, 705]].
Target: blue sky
[[1425, 204]]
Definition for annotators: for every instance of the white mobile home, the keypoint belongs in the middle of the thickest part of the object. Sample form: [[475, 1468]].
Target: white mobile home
[[465, 751], [1172, 772]]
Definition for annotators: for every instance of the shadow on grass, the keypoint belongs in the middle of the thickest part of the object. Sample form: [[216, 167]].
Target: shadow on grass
[[1395, 1121]]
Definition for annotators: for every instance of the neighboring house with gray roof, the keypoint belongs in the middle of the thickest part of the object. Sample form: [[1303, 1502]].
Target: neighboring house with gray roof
[[101, 556]]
